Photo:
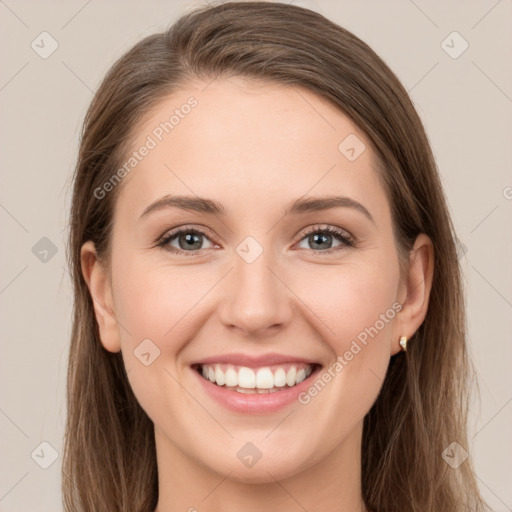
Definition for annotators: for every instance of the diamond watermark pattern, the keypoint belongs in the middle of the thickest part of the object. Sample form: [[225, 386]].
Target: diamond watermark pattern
[[249, 455], [454, 45], [44, 250], [44, 455], [249, 249], [44, 45], [351, 147], [454, 455], [146, 352]]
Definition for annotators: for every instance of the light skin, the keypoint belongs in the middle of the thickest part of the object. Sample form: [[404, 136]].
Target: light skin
[[255, 148]]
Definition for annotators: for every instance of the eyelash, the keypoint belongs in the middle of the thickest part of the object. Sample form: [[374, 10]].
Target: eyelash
[[346, 240]]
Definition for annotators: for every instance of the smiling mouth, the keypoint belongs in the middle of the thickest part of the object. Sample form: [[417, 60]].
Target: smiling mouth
[[263, 380]]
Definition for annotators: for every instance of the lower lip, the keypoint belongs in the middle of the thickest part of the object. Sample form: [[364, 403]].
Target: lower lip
[[255, 403]]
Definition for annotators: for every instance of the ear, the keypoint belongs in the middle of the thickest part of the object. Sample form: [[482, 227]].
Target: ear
[[100, 289], [415, 291]]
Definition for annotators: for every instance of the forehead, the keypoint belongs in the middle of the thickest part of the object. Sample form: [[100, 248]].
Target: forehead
[[253, 140]]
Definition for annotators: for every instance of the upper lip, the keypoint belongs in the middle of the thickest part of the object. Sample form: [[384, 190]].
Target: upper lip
[[255, 361]]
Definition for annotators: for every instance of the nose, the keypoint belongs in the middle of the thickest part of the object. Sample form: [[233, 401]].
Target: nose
[[256, 299]]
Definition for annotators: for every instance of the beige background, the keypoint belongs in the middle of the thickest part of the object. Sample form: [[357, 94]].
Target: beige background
[[465, 103]]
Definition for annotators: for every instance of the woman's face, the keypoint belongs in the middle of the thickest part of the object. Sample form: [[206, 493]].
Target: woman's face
[[258, 279]]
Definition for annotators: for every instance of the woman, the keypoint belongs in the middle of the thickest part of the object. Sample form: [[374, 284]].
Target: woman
[[268, 303]]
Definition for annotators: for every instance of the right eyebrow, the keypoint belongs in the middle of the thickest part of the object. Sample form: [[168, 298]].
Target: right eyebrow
[[197, 204]]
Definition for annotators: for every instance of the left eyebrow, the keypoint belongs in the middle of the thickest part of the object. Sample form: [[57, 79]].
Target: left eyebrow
[[297, 207], [315, 204]]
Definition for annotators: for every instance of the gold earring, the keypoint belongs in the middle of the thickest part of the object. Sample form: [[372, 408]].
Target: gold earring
[[403, 343]]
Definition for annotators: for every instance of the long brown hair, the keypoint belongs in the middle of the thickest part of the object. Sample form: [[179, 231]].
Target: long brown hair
[[109, 460]]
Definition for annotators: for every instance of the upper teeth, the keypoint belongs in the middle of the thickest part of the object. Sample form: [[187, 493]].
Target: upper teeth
[[262, 378]]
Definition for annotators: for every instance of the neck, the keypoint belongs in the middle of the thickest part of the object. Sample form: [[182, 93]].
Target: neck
[[332, 483]]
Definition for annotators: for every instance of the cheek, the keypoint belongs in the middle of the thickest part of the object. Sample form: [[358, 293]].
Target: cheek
[[155, 301], [348, 298], [354, 314]]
